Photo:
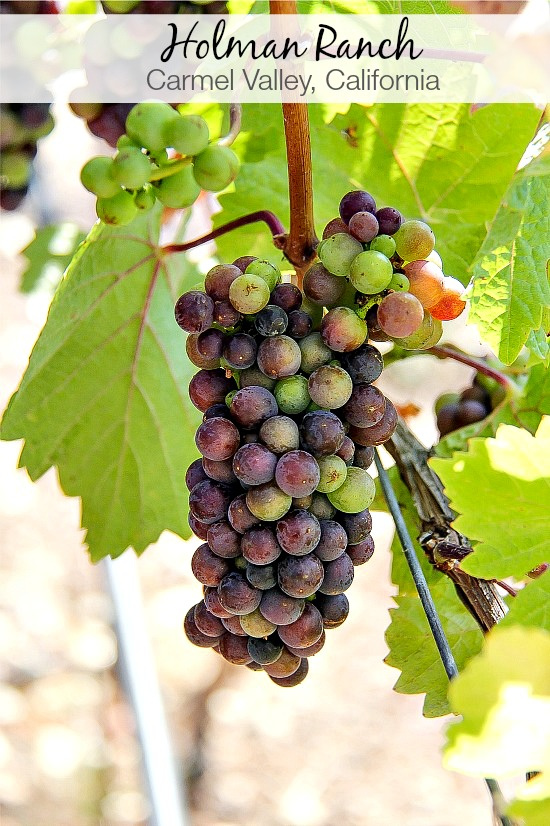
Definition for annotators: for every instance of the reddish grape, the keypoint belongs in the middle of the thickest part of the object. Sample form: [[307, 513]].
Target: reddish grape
[[286, 296], [311, 650], [364, 457], [194, 311], [450, 305], [240, 517], [333, 542], [259, 545], [208, 387], [306, 631], [220, 471], [321, 287], [297, 473], [218, 280], [333, 227], [279, 608], [210, 344], [346, 452], [217, 439], [342, 330], [425, 282], [400, 314], [284, 666], [234, 649], [254, 464], [224, 540], [338, 575], [195, 357], [206, 622], [363, 226], [212, 602], [209, 500], [366, 407], [208, 568], [279, 356], [237, 595], [356, 201], [232, 623], [251, 406], [199, 528], [195, 474], [263, 577], [469, 412], [226, 315], [243, 262], [298, 532], [194, 635], [293, 679], [362, 551], [300, 576], [378, 433]]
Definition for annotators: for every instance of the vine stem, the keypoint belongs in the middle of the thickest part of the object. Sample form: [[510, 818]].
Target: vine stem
[[477, 364], [301, 241], [235, 120], [276, 228], [169, 169]]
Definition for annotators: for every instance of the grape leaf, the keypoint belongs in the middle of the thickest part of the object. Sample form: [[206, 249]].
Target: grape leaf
[[413, 650], [510, 285], [531, 607], [439, 162], [104, 397], [503, 696], [501, 489], [48, 255]]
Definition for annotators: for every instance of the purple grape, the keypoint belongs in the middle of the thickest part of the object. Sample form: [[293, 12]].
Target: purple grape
[[263, 577], [364, 364], [220, 471], [271, 321], [195, 357], [206, 622], [366, 406], [226, 315], [362, 552], [254, 464], [243, 262], [378, 433], [357, 525], [240, 351], [199, 528], [218, 280], [234, 649], [219, 409], [306, 631], [356, 201], [364, 457], [333, 609], [232, 623], [194, 311], [300, 576], [194, 635], [237, 595], [259, 545], [240, 517], [363, 226], [333, 542], [195, 474], [208, 387], [208, 568], [338, 576], [251, 406], [298, 532], [287, 296], [210, 344], [212, 602], [321, 287], [297, 473], [208, 501], [217, 439], [223, 540], [389, 220], [279, 608], [279, 356], [346, 452], [300, 324], [322, 433]]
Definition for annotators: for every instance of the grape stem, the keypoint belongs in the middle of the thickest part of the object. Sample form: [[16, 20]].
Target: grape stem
[[477, 364], [235, 120], [169, 169], [276, 228]]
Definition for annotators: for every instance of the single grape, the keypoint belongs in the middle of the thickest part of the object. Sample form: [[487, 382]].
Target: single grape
[[249, 294], [217, 439], [240, 351], [212, 602], [314, 352], [400, 314], [371, 272], [311, 650], [239, 515], [363, 226], [218, 280], [333, 609], [194, 474], [266, 270], [451, 304], [232, 623], [330, 387], [118, 210], [131, 168], [337, 253], [414, 240], [146, 123], [384, 244], [208, 568], [469, 412], [220, 471], [215, 167], [187, 134], [237, 595], [206, 622], [356, 493], [375, 331], [292, 394], [287, 296], [364, 364], [279, 357], [298, 533], [300, 576], [194, 635], [297, 473], [234, 649], [280, 434], [199, 528], [224, 540], [285, 666], [271, 321], [418, 339], [356, 525], [293, 679], [208, 501], [145, 199], [322, 433], [253, 377], [366, 406], [378, 433], [321, 507], [194, 312], [254, 464], [346, 451], [356, 201], [321, 287], [389, 221], [342, 330], [210, 344], [338, 576], [300, 324], [263, 577], [259, 545], [399, 283], [264, 652], [279, 608], [96, 177], [226, 315], [334, 226], [178, 190], [268, 502], [333, 542], [305, 631], [208, 387], [243, 262], [333, 473], [256, 625], [364, 457], [251, 406], [362, 551]]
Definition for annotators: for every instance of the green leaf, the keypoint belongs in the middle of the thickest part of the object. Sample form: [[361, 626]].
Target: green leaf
[[413, 650], [104, 397], [440, 162], [48, 256], [503, 696], [531, 607], [501, 489], [510, 279]]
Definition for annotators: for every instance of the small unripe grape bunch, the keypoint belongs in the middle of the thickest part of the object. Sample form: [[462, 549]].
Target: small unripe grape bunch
[[280, 495], [163, 155], [387, 266]]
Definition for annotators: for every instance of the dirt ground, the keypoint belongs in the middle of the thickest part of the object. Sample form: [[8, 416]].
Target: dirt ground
[[342, 748]]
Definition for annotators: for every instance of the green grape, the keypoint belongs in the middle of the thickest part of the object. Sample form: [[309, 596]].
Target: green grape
[[178, 190], [337, 252], [330, 386], [215, 168], [253, 376], [356, 493], [15, 168], [314, 352], [266, 270], [417, 340], [249, 294], [120, 6], [145, 199], [399, 283], [118, 210], [292, 395], [435, 336], [131, 168], [187, 134], [268, 502], [96, 177], [124, 142], [42, 130], [333, 473], [256, 625], [414, 240], [384, 244], [370, 272], [315, 311], [146, 124]]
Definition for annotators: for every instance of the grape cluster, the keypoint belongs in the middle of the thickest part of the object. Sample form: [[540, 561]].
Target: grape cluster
[[162, 155], [21, 125], [456, 410], [375, 259]]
